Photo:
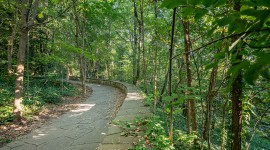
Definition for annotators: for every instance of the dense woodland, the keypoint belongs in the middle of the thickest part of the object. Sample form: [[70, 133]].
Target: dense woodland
[[203, 64]]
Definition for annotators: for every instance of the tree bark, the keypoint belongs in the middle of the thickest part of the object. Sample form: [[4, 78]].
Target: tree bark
[[26, 23], [135, 46], [138, 69], [19, 77], [209, 104], [82, 59], [236, 96], [170, 75], [155, 58], [143, 47], [191, 114]]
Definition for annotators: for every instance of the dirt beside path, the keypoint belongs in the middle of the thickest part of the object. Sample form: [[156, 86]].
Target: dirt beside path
[[74, 125]]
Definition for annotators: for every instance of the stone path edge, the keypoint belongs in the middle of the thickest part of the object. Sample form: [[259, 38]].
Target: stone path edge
[[115, 84], [132, 107]]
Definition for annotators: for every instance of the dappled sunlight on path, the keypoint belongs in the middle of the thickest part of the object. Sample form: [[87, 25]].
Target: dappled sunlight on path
[[81, 128]]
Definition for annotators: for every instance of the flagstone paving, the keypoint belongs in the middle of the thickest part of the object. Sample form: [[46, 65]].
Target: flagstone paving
[[88, 127], [132, 108]]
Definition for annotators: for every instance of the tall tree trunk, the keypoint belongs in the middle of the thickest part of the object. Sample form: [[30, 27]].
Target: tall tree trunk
[[138, 70], [236, 96], [24, 29], [135, 46], [209, 105], [19, 77], [170, 75], [81, 61], [143, 47], [155, 58], [237, 109], [209, 102], [191, 104]]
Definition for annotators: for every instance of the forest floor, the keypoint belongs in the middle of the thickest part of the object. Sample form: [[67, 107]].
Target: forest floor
[[66, 123]]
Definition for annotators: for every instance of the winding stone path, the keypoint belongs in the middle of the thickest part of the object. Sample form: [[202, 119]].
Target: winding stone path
[[80, 129], [132, 108]]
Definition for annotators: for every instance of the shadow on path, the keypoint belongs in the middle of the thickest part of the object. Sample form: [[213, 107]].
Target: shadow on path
[[79, 129]]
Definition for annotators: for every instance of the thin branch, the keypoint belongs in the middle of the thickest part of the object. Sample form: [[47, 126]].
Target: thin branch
[[226, 37]]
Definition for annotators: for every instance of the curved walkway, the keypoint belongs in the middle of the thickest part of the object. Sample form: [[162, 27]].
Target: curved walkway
[[80, 129], [132, 107]]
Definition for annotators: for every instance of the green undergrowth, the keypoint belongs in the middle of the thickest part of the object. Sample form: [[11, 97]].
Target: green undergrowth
[[156, 130], [155, 137], [38, 92], [132, 128]]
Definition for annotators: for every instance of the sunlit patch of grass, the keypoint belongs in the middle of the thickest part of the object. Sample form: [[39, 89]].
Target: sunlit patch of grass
[[6, 114], [31, 110]]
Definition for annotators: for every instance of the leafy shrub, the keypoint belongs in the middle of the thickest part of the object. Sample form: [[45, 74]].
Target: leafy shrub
[[37, 92], [155, 136], [6, 114], [51, 95], [184, 140], [68, 89]]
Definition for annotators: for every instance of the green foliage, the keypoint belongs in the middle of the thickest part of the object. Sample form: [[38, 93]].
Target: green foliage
[[259, 67], [132, 128], [6, 97], [66, 47], [41, 92], [55, 1], [6, 114], [212, 65], [155, 136], [184, 140], [109, 29], [48, 90], [173, 3], [149, 100]]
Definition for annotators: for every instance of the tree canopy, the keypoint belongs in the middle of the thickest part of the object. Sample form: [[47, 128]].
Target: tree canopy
[[203, 64]]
